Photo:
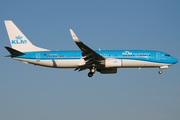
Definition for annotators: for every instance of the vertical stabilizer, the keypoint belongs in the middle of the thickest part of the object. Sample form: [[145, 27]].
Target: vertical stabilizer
[[18, 40]]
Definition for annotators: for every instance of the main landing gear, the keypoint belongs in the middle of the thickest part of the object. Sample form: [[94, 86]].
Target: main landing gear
[[90, 74], [92, 71]]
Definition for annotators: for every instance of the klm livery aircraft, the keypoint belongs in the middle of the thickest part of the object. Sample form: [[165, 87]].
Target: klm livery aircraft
[[103, 61]]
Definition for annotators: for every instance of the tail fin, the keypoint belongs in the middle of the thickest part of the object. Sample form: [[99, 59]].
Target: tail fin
[[18, 40]]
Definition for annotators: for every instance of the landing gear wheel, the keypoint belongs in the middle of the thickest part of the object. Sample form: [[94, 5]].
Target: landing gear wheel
[[160, 72], [92, 70], [90, 74]]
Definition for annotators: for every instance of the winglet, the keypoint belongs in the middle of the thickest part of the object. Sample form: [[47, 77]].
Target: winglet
[[85, 48], [74, 37]]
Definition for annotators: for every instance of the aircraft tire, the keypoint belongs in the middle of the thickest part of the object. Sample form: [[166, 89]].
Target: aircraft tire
[[160, 72], [90, 74]]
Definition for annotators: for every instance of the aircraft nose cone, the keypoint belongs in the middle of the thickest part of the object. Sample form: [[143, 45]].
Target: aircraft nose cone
[[175, 60]]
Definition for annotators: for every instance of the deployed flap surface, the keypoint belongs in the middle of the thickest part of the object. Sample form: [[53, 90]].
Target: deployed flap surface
[[14, 52], [85, 48]]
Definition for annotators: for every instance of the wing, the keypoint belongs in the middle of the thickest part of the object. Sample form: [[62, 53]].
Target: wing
[[90, 56]]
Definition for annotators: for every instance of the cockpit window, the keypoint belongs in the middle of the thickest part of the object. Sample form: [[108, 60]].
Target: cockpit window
[[167, 55]]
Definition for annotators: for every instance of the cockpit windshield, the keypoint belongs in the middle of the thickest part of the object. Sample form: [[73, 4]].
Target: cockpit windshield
[[167, 55]]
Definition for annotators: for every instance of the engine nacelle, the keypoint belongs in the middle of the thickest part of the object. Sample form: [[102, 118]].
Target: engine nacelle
[[107, 70], [110, 62]]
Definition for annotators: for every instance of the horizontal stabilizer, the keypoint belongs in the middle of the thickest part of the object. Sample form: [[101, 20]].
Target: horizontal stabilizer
[[14, 52], [7, 56]]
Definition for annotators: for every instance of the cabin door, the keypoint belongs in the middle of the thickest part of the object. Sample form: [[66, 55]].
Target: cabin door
[[38, 57], [158, 57]]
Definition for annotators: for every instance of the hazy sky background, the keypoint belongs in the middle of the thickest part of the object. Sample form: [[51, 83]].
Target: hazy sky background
[[29, 92]]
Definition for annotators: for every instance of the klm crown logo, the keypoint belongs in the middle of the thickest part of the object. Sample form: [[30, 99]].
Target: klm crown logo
[[115, 61], [19, 40], [127, 53], [19, 37]]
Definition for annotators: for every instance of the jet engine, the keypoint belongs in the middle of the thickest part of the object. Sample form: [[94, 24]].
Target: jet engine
[[114, 63]]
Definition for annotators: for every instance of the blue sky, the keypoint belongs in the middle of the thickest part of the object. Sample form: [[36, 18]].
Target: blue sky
[[34, 92]]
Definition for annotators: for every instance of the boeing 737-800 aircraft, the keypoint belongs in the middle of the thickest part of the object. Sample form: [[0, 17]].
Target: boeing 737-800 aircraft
[[103, 61]]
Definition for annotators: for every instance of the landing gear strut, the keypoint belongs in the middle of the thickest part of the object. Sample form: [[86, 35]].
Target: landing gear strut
[[160, 72], [92, 71]]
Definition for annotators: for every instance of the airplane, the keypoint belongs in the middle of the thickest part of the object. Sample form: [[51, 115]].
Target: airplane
[[103, 61]]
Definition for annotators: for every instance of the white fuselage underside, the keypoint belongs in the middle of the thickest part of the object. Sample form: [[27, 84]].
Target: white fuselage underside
[[75, 63]]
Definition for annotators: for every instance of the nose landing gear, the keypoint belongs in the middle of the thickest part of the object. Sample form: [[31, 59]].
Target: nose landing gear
[[160, 72], [162, 67]]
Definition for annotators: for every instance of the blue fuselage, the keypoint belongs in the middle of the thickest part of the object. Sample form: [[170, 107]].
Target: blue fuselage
[[143, 55]]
